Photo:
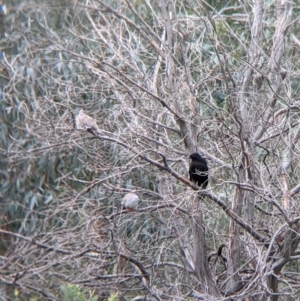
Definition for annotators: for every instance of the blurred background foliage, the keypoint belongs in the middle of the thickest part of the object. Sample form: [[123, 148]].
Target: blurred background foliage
[[53, 178]]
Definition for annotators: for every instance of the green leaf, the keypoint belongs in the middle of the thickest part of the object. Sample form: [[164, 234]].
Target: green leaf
[[33, 202]]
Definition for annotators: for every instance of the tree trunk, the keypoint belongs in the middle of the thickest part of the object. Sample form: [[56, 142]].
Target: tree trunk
[[206, 282]]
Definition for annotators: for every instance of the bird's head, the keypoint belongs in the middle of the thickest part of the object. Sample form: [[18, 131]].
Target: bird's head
[[196, 157]]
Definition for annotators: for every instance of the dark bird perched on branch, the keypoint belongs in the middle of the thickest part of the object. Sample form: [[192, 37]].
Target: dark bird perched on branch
[[198, 170]]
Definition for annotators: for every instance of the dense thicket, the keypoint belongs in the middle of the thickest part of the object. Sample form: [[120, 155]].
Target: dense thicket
[[157, 81]]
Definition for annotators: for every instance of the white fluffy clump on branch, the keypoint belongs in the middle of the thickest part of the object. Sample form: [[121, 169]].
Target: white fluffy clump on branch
[[130, 201]]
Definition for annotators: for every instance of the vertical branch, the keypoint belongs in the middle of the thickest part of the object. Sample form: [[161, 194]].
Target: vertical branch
[[234, 245], [274, 68], [246, 170], [288, 158], [253, 54], [202, 272], [283, 9], [200, 256], [187, 136]]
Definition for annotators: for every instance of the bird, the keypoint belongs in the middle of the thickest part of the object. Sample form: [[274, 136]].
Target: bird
[[198, 170], [130, 201], [85, 123]]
